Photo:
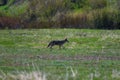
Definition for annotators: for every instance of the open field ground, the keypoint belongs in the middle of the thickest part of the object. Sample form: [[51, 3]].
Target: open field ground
[[89, 55]]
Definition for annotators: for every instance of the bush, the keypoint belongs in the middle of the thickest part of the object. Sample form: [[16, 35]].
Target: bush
[[73, 21], [97, 4], [10, 23], [3, 2], [78, 4], [104, 19]]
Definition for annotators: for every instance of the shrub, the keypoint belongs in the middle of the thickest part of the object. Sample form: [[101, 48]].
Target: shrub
[[3, 2], [73, 21], [10, 23], [78, 4], [106, 19], [97, 4]]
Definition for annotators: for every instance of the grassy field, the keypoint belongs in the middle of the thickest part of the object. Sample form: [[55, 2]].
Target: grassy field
[[89, 55]]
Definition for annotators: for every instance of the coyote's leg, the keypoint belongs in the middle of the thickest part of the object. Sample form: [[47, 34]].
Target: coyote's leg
[[60, 46], [51, 46]]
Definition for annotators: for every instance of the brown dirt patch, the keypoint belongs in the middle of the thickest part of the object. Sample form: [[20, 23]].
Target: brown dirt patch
[[76, 57]]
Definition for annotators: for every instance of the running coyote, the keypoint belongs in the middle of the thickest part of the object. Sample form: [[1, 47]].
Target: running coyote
[[57, 42]]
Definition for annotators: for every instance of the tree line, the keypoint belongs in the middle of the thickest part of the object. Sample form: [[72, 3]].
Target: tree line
[[92, 14]]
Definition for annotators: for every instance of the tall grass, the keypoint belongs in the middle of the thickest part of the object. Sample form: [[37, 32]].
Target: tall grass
[[70, 74], [23, 75]]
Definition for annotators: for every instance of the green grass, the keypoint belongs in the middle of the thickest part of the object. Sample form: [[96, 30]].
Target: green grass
[[89, 55]]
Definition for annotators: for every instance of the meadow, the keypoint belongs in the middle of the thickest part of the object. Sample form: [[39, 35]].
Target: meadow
[[89, 55]]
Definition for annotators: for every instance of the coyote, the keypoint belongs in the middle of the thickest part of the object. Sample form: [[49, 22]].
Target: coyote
[[57, 42]]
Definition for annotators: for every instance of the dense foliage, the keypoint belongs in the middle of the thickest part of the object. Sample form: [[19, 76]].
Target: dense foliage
[[98, 14]]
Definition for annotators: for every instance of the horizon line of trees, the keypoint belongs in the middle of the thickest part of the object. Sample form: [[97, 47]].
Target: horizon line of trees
[[92, 14]]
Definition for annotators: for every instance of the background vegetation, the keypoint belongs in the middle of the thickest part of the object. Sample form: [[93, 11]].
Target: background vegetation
[[93, 14]]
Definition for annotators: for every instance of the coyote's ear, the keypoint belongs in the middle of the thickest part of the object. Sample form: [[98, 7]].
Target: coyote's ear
[[65, 38]]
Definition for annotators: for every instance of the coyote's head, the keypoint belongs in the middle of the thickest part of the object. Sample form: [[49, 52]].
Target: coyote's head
[[66, 40]]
